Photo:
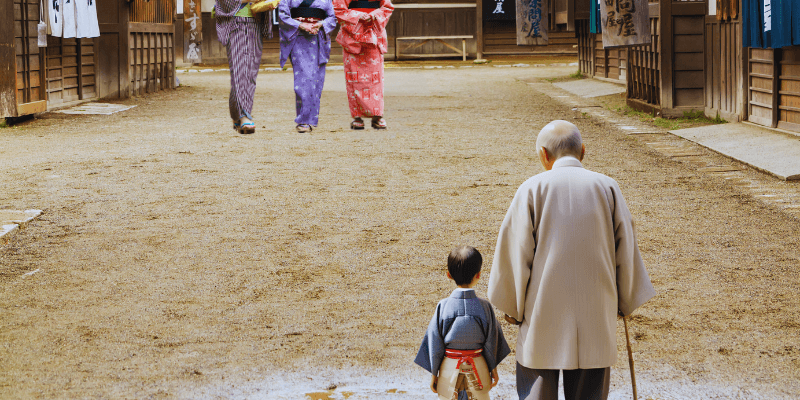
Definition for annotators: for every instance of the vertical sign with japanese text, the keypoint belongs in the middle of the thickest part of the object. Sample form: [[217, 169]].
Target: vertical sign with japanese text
[[625, 22], [531, 23], [192, 31]]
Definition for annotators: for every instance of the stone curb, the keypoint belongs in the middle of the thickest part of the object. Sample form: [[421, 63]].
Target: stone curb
[[14, 220]]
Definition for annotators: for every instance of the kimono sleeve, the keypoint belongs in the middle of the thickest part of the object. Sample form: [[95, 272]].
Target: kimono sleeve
[[431, 352], [633, 283], [289, 25], [495, 349], [380, 16], [346, 15], [264, 21], [329, 23], [513, 256]]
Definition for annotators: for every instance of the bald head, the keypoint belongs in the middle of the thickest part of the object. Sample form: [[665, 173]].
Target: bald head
[[560, 138]]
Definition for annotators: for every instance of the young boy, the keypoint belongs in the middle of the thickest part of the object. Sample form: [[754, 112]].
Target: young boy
[[464, 341]]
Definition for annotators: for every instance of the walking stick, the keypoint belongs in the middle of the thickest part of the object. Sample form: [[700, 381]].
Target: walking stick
[[630, 357]]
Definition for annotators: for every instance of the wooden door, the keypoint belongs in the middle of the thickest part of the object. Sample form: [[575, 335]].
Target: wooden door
[[112, 49]]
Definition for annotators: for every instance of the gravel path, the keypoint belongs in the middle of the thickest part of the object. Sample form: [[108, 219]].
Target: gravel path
[[177, 259]]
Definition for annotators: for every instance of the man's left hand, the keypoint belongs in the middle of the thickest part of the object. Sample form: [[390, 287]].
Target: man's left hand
[[511, 321]]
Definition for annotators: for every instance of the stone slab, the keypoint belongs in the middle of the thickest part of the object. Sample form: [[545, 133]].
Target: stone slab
[[590, 88], [18, 217], [767, 150], [96, 109], [11, 220], [6, 230]]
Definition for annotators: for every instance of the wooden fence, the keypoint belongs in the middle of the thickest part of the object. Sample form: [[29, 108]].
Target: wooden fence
[[151, 43], [724, 77]]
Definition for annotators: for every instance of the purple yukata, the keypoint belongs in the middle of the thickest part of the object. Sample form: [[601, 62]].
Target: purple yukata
[[308, 53]]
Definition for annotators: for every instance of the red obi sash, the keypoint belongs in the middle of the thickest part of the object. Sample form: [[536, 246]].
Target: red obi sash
[[466, 356]]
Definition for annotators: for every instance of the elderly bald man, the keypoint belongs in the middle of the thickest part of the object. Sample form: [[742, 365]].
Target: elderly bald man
[[566, 264]]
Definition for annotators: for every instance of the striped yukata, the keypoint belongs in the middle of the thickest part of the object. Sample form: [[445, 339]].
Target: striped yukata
[[364, 44], [242, 37], [309, 55]]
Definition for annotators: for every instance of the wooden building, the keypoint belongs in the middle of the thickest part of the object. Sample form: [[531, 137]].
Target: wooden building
[[758, 85], [665, 77], [133, 55]]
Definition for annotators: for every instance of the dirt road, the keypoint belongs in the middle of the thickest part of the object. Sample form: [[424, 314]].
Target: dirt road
[[178, 259]]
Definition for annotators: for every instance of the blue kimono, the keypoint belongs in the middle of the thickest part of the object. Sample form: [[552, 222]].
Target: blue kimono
[[462, 322]]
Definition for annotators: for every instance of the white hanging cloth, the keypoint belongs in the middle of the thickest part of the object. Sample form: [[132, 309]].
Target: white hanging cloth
[[74, 18], [86, 18], [70, 27], [55, 11]]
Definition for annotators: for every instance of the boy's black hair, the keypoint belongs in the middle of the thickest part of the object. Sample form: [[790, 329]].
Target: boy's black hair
[[463, 263]]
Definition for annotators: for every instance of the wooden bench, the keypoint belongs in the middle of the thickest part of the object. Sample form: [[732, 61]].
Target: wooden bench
[[425, 39]]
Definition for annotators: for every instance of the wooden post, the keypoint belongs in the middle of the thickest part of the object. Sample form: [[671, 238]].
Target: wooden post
[[776, 87], [479, 28], [666, 39], [571, 15]]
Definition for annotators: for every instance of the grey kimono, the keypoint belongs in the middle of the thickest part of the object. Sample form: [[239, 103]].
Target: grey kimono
[[462, 322]]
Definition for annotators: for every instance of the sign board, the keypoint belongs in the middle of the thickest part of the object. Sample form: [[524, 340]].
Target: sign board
[[531, 23], [625, 22], [499, 10], [192, 31]]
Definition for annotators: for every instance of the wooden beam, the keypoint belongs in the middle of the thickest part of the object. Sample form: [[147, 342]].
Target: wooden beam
[[571, 15], [776, 73], [665, 58], [479, 28]]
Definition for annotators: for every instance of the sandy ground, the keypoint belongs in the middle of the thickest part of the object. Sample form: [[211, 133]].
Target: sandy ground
[[178, 259]]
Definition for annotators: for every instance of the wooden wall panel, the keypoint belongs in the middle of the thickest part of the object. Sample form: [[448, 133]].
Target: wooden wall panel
[[688, 47], [23, 91], [760, 79], [789, 103]]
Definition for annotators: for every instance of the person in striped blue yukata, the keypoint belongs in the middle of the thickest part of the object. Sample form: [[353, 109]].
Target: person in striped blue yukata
[[241, 31]]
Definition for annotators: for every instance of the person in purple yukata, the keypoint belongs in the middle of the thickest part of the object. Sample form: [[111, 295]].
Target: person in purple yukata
[[305, 27], [464, 342], [241, 32]]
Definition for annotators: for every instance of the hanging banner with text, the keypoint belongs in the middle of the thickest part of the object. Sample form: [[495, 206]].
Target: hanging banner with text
[[531, 23], [192, 31], [499, 10], [625, 22]]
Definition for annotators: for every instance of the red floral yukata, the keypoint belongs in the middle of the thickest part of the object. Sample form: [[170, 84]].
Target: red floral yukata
[[364, 44]]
